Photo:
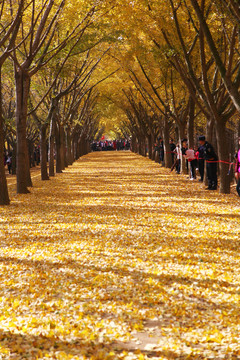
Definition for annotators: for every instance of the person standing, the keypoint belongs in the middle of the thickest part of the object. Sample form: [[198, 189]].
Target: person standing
[[211, 159], [237, 169], [190, 156], [200, 157]]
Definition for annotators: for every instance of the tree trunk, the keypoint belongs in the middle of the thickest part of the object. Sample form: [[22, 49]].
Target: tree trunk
[[143, 146], [78, 148], [209, 130], [62, 146], [66, 163], [134, 144], [223, 154], [4, 197], [51, 147], [167, 150], [28, 174], [209, 138], [43, 153], [58, 149], [150, 145], [153, 152], [69, 147], [190, 124], [14, 158], [74, 148], [22, 83], [30, 146]]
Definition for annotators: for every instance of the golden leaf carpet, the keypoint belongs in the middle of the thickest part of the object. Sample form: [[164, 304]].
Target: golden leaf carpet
[[116, 258]]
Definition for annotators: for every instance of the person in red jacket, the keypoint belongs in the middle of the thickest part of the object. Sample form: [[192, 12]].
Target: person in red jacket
[[237, 169]]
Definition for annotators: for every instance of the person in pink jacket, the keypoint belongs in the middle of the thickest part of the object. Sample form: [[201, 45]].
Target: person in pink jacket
[[237, 169]]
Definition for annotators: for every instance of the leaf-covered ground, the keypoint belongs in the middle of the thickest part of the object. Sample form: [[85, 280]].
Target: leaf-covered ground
[[118, 259]]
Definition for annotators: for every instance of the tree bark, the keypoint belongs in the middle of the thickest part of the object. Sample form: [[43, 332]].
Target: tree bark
[[190, 124], [4, 197], [150, 145], [209, 130], [43, 152], [51, 147], [69, 146], [14, 158], [28, 174], [62, 146], [74, 147], [223, 154], [22, 83], [167, 150], [58, 149]]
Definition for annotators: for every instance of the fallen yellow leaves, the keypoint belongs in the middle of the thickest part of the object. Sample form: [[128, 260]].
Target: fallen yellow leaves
[[117, 259]]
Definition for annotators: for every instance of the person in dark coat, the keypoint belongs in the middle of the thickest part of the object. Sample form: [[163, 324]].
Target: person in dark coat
[[211, 159], [201, 162]]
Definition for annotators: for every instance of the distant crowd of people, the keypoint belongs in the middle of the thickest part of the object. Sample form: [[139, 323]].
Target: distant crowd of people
[[195, 157], [195, 160], [110, 145]]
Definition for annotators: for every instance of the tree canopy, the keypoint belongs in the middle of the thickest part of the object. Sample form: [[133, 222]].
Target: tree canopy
[[71, 70]]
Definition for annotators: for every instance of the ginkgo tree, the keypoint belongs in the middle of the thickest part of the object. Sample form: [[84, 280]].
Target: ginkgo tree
[[10, 21]]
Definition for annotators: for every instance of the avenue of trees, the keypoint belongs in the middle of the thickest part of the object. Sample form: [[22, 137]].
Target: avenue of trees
[[69, 69]]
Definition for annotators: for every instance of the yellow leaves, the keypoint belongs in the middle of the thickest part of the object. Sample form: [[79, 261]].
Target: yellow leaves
[[15, 304], [214, 336], [124, 262], [150, 281], [138, 327]]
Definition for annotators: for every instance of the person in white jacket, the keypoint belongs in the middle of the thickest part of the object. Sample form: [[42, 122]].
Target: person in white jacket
[[190, 156]]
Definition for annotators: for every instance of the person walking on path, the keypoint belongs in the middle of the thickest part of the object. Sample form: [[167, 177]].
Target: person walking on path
[[237, 169], [211, 159]]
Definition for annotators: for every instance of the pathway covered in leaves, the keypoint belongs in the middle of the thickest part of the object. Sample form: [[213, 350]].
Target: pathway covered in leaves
[[118, 259]]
